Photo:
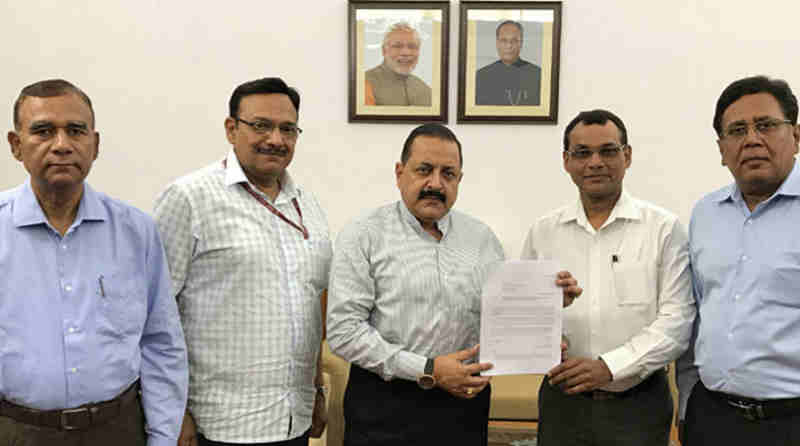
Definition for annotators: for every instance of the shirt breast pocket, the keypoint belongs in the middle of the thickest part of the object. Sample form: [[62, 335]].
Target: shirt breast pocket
[[123, 305], [783, 279], [633, 283]]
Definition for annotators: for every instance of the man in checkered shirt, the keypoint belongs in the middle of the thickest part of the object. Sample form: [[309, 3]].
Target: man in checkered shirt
[[249, 253]]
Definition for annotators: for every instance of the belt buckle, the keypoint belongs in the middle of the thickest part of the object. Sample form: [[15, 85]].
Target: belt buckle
[[751, 411], [65, 414]]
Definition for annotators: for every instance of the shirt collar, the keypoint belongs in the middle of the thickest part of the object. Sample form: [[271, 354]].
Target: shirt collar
[[443, 224], [790, 187], [28, 212], [234, 174], [625, 208]]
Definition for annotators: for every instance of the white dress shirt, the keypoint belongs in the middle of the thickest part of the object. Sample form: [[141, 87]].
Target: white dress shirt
[[248, 286], [636, 310], [399, 296]]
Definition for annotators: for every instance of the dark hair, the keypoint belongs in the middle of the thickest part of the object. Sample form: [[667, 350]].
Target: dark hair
[[434, 130], [509, 22], [599, 117], [266, 85], [48, 89], [778, 88]]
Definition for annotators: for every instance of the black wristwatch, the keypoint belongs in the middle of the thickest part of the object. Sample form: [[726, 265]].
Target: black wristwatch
[[427, 381]]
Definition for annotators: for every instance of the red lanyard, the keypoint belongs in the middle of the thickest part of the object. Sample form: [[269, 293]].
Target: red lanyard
[[280, 215], [272, 209]]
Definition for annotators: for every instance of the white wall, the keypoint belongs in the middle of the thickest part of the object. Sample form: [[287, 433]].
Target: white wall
[[160, 75]]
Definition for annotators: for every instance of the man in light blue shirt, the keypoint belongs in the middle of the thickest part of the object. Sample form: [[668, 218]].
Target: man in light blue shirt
[[740, 384], [86, 317]]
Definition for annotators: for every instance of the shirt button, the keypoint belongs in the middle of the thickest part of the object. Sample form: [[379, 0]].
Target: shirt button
[[64, 247], [74, 370], [730, 335], [68, 288], [744, 258], [72, 329], [737, 296]]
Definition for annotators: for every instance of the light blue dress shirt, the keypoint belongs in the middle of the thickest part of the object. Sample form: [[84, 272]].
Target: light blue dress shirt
[[746, 274], [85, 315]]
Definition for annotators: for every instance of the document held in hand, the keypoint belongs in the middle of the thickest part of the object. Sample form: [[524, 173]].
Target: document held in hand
[[521, 318]]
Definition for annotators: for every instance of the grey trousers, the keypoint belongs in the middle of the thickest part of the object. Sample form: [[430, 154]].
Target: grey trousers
[[643, 417]]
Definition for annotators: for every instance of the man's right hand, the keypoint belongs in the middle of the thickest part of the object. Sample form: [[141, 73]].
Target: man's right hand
[[188, 431], [455, 377]]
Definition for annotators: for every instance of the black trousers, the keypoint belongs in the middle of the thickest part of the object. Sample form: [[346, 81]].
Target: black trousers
[[125, 430], [299, 441], [641, 418], [710, 421], [398, 412]]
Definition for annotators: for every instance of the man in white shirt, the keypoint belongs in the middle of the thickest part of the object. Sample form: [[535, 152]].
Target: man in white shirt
[[249, 253], [636, 313]]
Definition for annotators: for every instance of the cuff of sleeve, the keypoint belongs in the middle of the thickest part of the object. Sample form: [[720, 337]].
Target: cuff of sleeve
[[158, 440], [620, 362], [410, 365]]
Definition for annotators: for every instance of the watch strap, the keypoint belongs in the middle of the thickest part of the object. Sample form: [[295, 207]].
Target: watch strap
[[429, 366]]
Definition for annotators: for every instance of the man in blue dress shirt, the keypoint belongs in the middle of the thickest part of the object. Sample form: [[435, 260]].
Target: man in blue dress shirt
[[90, 341], [740, 384]]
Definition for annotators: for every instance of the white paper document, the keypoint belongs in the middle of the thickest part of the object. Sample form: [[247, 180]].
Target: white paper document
[[521, 318]]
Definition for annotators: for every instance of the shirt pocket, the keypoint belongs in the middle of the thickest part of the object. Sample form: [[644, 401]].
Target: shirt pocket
[[633, 283], [782, 279], [123, 305]]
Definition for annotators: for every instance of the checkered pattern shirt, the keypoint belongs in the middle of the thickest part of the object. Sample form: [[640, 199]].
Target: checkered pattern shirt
[[248, 287], [398, 296]]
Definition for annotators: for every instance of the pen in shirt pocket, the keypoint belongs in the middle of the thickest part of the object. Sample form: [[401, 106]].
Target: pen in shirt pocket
[[101, 289]]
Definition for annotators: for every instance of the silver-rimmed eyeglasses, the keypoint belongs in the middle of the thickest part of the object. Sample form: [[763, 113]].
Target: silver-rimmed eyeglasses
[[263, 127], [764, 127], [605, 152]]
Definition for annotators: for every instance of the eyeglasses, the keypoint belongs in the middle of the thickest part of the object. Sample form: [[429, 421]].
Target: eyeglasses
[[264, 127], [606, 153], [765, 128]]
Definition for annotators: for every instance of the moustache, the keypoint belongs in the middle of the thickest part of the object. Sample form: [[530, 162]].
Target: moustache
[[275, 151], [430, 193]]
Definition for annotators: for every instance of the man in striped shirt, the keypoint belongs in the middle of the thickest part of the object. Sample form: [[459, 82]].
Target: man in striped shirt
[[404, 307]]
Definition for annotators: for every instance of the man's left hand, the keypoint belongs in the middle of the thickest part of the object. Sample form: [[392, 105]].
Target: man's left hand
[[319, 418], [569, 286], [576, 375]]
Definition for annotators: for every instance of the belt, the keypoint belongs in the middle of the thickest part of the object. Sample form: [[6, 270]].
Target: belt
[[755, 410], [77, 418], [650, 381]]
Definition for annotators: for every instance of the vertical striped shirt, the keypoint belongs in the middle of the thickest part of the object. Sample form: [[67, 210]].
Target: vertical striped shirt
[[248, 287], [398, 296]]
